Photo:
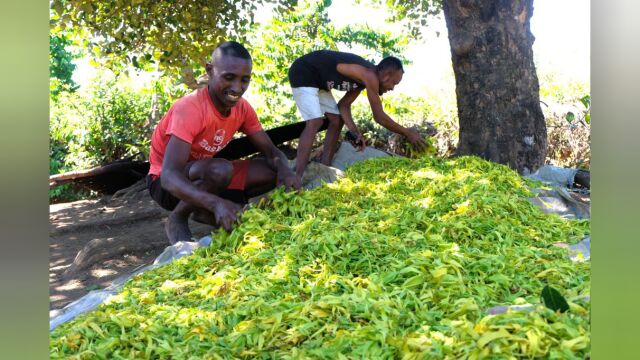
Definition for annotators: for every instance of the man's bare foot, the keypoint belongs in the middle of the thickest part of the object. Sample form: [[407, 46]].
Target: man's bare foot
[[177, 229]]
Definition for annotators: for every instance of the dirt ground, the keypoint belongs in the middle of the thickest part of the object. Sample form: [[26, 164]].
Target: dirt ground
[[136, 221], [124, 232]]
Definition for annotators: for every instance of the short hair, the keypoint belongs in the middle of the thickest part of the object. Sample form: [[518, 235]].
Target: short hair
[[233, 48], [390, 63]]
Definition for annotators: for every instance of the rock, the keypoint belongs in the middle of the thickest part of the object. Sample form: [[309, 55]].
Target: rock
[[348, 155]]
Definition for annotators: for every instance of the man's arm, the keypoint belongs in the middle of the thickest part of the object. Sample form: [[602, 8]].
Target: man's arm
[[276, 160], [344, 105], [370, 81], [177, 183]]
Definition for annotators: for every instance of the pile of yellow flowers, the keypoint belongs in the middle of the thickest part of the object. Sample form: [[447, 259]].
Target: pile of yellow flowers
[[399, 259]]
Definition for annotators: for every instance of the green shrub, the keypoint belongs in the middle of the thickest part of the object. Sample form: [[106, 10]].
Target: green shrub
[[61, 64], [110, 119], [294, 33], [103, 125], [567, 111], [439, 110]]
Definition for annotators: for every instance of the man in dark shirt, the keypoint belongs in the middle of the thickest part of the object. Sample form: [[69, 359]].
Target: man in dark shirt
[[312, 77]]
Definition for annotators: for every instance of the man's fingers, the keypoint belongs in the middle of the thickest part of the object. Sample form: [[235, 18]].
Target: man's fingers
[[420, 143]]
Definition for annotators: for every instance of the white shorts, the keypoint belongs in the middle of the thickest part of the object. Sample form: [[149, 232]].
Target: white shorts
[[313, 103]]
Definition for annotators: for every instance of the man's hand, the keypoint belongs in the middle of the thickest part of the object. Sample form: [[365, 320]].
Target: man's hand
[[226, 213], [276, 161], [356, 139], [414, 137], [360, 142], [289, 179]]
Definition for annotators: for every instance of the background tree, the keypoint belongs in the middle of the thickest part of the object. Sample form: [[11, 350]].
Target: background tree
[[298, 31], [496, 82], [61, 66], [178, 35]]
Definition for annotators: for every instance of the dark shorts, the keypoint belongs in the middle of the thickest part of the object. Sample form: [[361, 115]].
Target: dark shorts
[[234, 192]]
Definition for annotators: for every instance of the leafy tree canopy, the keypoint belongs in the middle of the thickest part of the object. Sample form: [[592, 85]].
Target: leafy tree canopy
[[412, 14], [176, 35], [295, 32], [61, 66]]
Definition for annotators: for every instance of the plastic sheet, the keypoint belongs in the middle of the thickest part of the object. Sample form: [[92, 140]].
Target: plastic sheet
[[555, 176], [97, 297]]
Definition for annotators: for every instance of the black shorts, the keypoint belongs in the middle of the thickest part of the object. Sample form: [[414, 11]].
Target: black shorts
[[169, 202]]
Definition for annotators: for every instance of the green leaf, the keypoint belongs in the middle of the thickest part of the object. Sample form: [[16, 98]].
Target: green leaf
[[58, 7], [586, 101], [490, 336], [554, 300], [570, 116]]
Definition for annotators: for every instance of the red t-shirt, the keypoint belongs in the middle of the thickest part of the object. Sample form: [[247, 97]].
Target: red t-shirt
[[194, 119]]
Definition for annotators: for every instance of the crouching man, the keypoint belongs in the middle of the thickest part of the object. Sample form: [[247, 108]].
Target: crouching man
[[184, 178]]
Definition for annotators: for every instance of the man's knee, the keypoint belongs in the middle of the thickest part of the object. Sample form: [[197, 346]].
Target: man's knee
[[314, 124], [335, 119], [219, 172]]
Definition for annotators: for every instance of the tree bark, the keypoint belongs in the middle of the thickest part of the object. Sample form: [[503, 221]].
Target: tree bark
[[188, 77], [496, 83]]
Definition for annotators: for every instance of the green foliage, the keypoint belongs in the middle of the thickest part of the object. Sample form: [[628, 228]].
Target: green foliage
[[401, 259], [586, 101], [413, 14], [61, 66], [67, 193], [294, 33], [177, 35], [109, 124], [558, 88], [105, 122], [567, 110], [438, 110]]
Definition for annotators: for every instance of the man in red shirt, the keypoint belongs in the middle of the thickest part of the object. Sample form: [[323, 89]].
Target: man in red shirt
[[184, 178]]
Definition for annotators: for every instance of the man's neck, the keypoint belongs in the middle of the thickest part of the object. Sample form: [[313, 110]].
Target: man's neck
[[223, 110]]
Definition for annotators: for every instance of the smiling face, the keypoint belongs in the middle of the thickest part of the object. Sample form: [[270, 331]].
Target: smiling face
[[388, 79], [229, 78]]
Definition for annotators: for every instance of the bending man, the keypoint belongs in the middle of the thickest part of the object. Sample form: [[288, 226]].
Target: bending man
[[312, 77]]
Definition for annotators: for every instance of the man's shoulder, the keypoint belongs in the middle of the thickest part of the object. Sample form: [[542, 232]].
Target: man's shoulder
[[243, 110], [244, 104], [192, 99], [330, 53]]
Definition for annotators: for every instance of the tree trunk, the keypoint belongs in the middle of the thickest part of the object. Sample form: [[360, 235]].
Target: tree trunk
[[496, 83], [188, 77]]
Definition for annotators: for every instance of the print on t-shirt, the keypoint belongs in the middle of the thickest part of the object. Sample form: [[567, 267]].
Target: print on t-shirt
[[217, 145], [218, 137], [344, 86], [205, 145]]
